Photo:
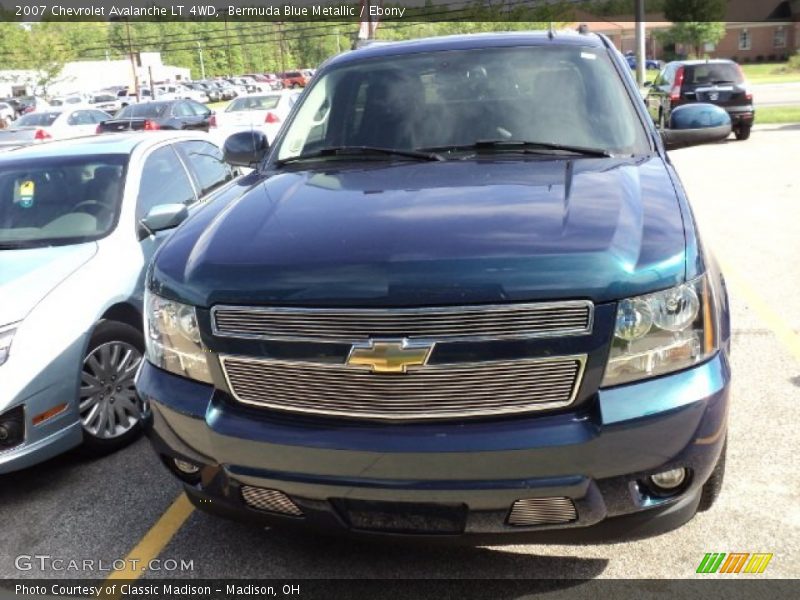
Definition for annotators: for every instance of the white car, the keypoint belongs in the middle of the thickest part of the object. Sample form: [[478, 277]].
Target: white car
[[105, 101], [7, 112], [79, 221], [180, 92], [266, 112], [69, 101], [49, 125]]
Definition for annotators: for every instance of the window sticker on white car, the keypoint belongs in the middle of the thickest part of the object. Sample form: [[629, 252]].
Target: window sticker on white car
[[25, 193], [589, 55]]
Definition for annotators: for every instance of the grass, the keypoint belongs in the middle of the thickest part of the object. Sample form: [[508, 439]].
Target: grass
[[771, 73], [771, 115]]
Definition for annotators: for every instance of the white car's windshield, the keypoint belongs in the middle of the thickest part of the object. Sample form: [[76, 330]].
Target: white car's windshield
[[569, 96], [59, 200]]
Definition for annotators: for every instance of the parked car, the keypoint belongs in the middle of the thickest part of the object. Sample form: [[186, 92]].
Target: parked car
[[169, 91], [151, 116], [79, 221], [462, 294], [127, 97], [720, 82], [650, 63], [211, 92], [266, 112], [26, 104], [274, 81], [7, 112], [105, 101], [293, 79], [69, 101], [52, 125], [227, 90]]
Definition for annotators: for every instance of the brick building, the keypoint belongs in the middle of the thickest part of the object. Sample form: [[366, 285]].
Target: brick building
[[756, 31]]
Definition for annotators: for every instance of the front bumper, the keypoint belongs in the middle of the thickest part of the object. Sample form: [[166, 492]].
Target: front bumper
[[597, 458]]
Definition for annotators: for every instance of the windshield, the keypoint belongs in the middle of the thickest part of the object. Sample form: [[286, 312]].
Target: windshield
[[712, 73], [148, 109], [569, 96], [59, 200], [43, 119], [253, 103]]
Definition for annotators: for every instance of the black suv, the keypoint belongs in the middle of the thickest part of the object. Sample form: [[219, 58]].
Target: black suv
[[719, 82]]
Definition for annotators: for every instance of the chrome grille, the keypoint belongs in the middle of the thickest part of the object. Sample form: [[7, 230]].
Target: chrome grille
[[270, 500], [427, 392], [542, 511], [440, 324]]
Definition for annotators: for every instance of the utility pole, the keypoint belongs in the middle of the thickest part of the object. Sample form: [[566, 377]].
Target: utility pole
[[228, 49], [640, 43], [202, 65], [133, 60]]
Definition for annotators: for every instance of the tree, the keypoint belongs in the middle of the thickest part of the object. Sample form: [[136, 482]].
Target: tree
[[696, 22], [696, 34]]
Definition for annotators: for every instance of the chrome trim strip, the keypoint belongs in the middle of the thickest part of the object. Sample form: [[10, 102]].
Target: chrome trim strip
[[397, 314], [415, 414]]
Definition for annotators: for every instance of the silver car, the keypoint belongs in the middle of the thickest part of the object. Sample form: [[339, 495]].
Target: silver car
[[79, 221]]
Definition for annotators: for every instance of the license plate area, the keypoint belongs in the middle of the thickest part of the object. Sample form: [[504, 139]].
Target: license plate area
[[403, 517]]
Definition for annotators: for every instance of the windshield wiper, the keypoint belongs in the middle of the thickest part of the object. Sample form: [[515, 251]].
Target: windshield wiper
[[345, 151], [523, 147]]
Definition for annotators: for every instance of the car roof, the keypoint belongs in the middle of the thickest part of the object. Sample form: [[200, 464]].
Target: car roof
[[107, 143], [711, 61], [472, 41]]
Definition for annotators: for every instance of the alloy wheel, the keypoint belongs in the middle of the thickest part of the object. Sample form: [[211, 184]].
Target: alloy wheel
[[108, 403]]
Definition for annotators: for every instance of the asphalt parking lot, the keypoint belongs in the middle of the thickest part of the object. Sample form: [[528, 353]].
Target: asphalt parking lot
[[747, 199]]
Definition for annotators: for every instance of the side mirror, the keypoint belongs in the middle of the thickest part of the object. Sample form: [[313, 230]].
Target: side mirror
[[246, 148], [696, 124], [161, 217]]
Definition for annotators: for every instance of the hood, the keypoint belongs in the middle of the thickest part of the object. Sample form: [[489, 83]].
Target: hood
[[412, 234], [29, 274]]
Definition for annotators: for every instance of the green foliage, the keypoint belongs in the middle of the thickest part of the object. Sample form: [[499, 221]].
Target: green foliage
[[696, 34], [694, 10], [235, 47]]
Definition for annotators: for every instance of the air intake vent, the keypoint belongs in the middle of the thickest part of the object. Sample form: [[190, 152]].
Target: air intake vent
[[542, 511], [270, 501]]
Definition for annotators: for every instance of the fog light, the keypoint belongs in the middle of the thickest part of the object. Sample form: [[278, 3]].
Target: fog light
[[186, 467], [12, 428], [668, 480]]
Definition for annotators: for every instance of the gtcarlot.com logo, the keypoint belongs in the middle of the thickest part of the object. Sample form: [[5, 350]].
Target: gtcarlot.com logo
[[734, 563], [46, 562]]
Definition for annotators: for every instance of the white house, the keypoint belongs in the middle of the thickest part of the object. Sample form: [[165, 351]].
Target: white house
[[91, 75]]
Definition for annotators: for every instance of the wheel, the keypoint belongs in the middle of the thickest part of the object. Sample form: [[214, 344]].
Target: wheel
[[743, 132], [110, 412], [295, 86], [713, 486]]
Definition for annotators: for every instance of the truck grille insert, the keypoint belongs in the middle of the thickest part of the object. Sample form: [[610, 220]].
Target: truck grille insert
[[428, 392], [270, 500], [450, 323], [542, 511]]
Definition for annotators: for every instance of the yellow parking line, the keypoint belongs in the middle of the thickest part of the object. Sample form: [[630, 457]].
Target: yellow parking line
[[155, 540], [772, 319]]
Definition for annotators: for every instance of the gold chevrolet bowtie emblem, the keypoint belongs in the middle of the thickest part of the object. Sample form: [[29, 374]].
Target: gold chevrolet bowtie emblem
[[389, 356]]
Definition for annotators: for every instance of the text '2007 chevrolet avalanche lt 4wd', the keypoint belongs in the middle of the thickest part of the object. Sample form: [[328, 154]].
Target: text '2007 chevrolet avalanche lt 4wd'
[[464, 295]]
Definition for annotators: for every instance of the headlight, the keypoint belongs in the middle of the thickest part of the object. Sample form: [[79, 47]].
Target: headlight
[[662, 332], [172, 338], [6, 335]]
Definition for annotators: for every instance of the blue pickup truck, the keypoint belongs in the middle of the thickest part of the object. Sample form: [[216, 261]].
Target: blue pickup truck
[[462, 295]]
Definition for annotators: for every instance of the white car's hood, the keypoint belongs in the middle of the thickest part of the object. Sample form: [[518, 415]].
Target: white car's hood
[[28, 275]]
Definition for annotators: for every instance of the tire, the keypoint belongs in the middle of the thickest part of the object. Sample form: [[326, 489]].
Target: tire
[[110, 412], [713, 486], [743, 132]]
